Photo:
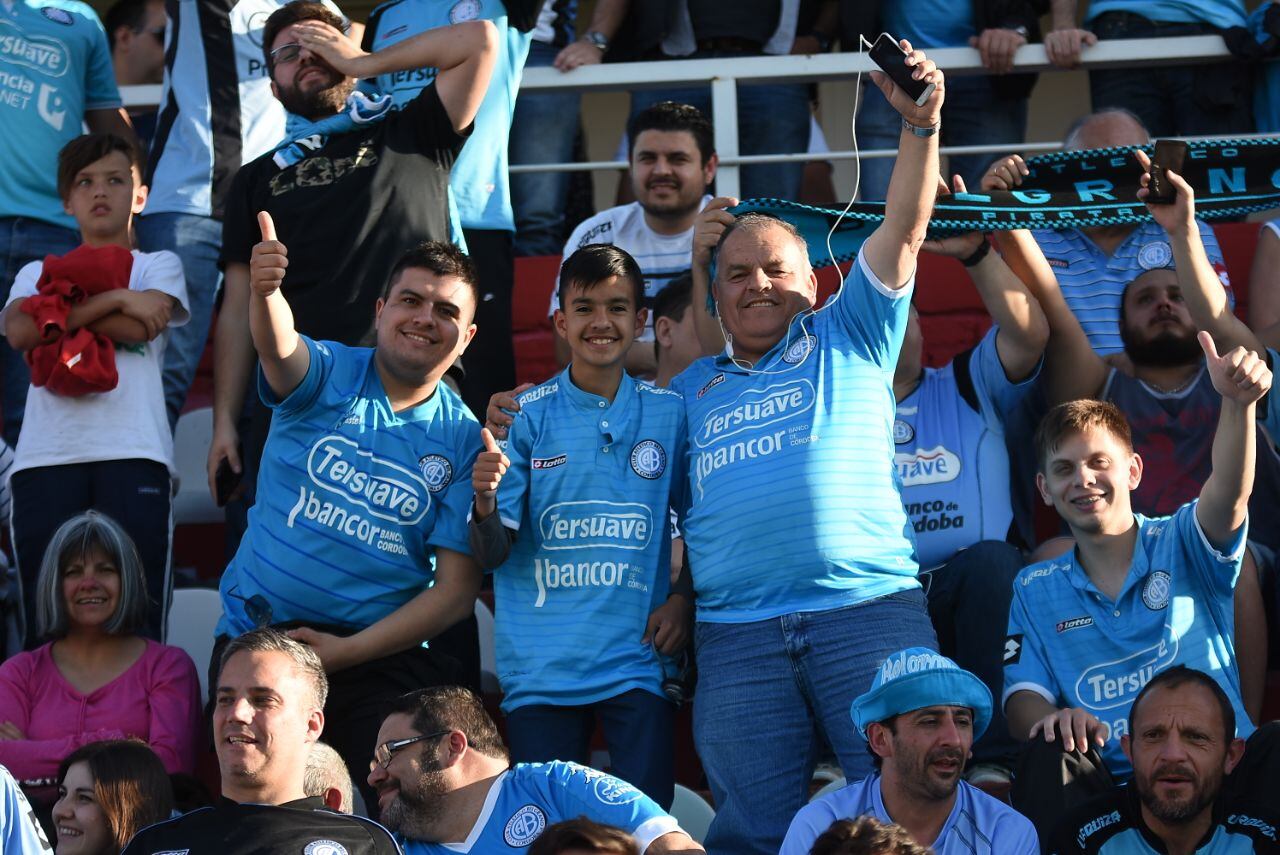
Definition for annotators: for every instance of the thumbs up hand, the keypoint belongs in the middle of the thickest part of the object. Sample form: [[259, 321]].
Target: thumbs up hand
[[491, 465], [1239, 375], [268, 260]]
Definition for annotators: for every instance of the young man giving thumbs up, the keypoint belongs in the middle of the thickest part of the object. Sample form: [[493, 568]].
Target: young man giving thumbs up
[[574, 520], [358, 542]]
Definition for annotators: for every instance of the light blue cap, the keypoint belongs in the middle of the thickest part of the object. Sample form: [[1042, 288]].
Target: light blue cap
[[919, 677]]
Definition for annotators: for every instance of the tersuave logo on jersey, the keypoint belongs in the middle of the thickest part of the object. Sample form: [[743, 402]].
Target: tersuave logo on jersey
[[934, 466], [593, 524], [754, 409], [386, 489], [1115, 684], [38, 53]]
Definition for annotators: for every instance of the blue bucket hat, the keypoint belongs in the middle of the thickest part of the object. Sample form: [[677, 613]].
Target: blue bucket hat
[[919, 677]]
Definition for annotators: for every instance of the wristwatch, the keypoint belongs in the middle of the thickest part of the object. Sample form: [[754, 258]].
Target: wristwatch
[[598, 39], [918, 131]]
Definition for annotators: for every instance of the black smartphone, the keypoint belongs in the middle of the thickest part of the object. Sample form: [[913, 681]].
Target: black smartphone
[[889, 56], [225, 481], [1169, 154]]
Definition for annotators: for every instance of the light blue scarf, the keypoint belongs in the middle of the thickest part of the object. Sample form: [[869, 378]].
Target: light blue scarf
[[302, 136]]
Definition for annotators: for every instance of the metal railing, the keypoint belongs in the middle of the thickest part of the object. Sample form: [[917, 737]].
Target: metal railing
[[723, 76]]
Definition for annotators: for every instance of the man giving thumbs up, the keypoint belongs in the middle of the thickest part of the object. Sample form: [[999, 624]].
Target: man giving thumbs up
[[358, 542]]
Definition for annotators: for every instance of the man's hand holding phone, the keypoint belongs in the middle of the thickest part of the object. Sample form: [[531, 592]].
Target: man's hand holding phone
[[910, 80]]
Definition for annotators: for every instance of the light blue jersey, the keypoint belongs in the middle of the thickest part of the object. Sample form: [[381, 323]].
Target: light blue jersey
[[1219, 13], [978, 824], [524, 800], [1092, 282], [54, 65], [20, 831], [588, 493], [951, 458], [928, 23], [1074, 647], [478, 185], [352, 497], [794, 501]]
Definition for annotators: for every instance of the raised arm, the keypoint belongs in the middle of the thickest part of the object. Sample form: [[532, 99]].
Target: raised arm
[[281, 353], [1023, 329], [463, 55], [707, 230], [1241, 378], [1264, 284], [891, 249], [1201, 288], [1072, 368]]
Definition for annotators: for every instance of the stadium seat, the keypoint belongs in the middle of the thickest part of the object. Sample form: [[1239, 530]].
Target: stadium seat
[[488, 655], [193, 616], [191, 441], [692, 812]]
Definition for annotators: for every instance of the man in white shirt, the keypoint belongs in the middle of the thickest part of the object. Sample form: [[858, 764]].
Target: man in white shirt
[[673, 162]]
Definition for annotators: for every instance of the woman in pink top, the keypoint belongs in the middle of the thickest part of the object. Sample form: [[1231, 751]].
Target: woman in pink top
[[96, 679]]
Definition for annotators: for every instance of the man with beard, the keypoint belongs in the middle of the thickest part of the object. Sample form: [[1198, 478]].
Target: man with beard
[[1169, 401], [920, 718], [1181, 800], [339, 189], [1093, 265], [444, 785], [270, 693], [673, 162]]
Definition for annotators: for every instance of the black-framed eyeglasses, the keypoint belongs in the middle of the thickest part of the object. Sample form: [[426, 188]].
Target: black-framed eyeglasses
[[257, 608], [383, 753], [286, 53]]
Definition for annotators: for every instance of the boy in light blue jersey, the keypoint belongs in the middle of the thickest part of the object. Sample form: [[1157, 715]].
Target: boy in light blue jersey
[[357, 544], [1088, 630], [800, 548], [920, 718], [579, 541], [445, 784]]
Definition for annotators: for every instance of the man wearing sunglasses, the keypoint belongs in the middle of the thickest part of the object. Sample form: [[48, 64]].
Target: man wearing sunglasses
[[268, 715], [135, 33], [441, 773]]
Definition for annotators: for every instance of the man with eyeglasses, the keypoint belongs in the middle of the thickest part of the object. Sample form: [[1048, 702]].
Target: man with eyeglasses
[[441, 773], [354, 184], [268, 714]]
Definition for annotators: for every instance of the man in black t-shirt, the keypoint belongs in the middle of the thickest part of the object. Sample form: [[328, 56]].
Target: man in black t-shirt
[[354, 186], [269, 711]]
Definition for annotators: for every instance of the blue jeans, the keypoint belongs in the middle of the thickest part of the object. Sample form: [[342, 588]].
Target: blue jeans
[[638, 726], [772, 119], [969, 600], [542, 131], [972, 115], [196, 240], [1173, 100], [766, 688], [22, 241]]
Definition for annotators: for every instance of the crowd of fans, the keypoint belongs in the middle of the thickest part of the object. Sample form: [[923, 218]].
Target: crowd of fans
[[726, 492]]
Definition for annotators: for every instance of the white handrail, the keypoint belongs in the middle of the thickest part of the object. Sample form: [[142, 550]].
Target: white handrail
[[724, 75]]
